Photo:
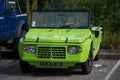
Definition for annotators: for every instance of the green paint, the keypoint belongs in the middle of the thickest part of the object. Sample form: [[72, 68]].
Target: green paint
[[52, 46]]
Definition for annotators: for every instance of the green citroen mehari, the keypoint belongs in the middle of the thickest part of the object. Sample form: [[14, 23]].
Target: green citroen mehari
[[60, 39]]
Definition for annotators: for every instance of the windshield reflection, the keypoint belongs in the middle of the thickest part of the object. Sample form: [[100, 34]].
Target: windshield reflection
[[60, 19]]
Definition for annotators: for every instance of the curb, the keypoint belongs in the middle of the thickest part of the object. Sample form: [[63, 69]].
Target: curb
[[104, 55]]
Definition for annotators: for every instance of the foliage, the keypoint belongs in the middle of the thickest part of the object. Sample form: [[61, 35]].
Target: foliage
[[105, 13], [111, 41]]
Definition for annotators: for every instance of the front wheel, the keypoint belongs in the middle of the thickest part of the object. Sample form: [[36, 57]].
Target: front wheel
[[87, 66], [16, 43], [0, 55], [25, 67]]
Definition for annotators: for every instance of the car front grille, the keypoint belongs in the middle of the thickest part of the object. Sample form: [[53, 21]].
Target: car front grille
[[52, 52]]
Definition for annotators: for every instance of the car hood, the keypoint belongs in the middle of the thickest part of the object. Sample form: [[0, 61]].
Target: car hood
[[57, 35]]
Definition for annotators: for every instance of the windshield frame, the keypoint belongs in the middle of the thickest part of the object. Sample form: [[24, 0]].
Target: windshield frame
[[88, 11]]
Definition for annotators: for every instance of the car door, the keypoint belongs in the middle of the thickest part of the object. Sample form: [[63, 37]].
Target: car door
[[10, 18]]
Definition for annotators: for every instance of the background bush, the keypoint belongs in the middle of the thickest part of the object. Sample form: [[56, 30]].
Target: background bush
[[105, 13]]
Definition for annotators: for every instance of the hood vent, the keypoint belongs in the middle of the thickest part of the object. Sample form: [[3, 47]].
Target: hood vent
[[37, 39], [66, 41]]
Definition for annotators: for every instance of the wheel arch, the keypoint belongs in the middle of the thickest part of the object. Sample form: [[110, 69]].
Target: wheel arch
[[90, 50], [22, 26]]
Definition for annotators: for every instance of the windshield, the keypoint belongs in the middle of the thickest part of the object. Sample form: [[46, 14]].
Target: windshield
[[60, 19]]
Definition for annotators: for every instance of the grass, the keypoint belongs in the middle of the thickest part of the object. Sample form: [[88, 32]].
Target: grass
[[111, 41]]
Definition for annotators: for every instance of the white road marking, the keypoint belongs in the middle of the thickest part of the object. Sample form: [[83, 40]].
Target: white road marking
[[8, 65], [112, 71]]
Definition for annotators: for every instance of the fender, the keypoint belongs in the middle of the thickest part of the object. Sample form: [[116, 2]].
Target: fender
[[86, 48]]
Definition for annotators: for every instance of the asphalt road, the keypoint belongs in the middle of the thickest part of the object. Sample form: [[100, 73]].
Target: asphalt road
[[102, 69]]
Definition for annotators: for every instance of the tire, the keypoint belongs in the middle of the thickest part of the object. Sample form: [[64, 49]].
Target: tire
[[97, 57], [16, 43], [22, 33], [0, 55], [87, 66], [25, 67]]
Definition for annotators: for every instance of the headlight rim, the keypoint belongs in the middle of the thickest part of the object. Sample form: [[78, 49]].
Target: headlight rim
[[28, 47], [78, 50]]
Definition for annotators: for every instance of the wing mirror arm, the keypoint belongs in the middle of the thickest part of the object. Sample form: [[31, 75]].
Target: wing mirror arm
[[96, 33]]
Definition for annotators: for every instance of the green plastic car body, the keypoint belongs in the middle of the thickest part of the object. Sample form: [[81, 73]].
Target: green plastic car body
[[60, 39]]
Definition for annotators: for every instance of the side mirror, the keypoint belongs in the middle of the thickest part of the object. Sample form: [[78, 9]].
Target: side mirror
[[96, 33]]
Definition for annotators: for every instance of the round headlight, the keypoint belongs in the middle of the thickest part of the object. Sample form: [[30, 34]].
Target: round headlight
[[74, 50], [30, 49]]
